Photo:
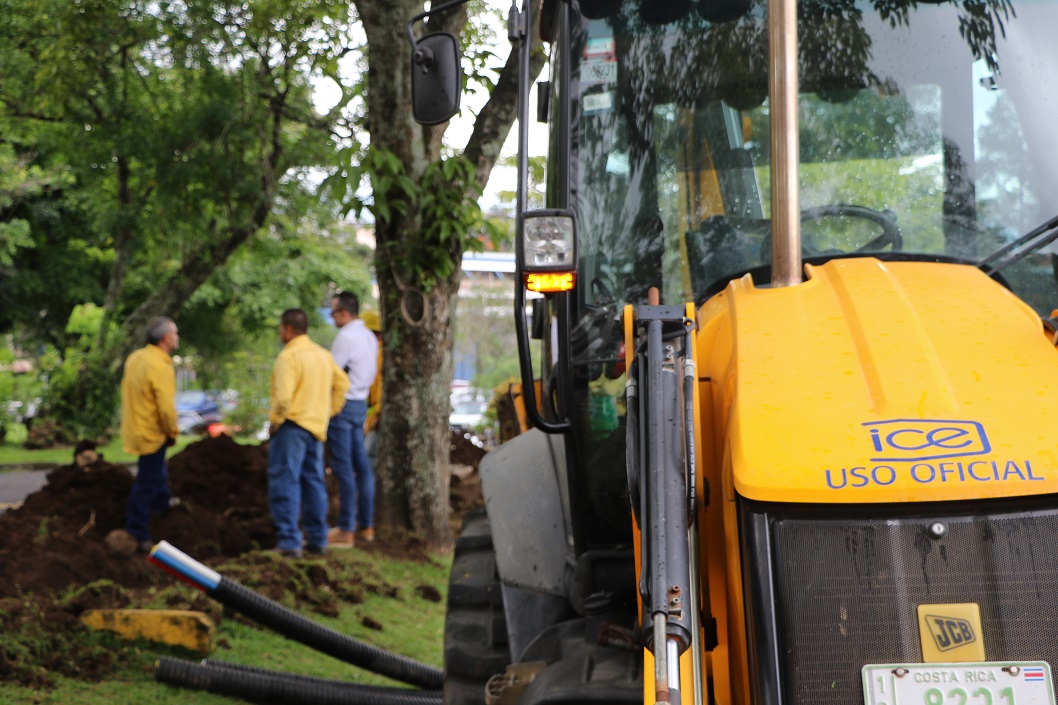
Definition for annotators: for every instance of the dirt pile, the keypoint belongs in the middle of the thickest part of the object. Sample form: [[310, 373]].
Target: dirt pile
[[55, 562], [56, 539], [465, 489], [463, 451]]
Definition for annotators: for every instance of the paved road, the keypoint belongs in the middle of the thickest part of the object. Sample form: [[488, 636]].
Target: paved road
[[16, 485]]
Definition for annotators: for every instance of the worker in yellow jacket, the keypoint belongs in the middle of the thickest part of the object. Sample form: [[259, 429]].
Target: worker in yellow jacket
[[307, 389], [374, 394], [148, 425]]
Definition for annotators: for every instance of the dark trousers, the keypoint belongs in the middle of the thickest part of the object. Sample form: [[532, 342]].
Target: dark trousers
[[295, 485], [352, 467], [150, 493]]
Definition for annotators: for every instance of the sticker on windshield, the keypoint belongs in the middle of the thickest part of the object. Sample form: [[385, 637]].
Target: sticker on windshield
[[599, 47], [597, 102], [598, 72]]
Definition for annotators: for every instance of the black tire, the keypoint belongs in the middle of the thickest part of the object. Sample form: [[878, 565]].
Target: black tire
[[475, 640]]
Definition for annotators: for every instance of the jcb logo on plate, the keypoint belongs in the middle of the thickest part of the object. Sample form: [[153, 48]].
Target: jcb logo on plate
[[949, 632]]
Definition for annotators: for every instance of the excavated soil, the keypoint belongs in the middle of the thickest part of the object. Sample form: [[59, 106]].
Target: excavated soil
[[67, 536], [57, 538]]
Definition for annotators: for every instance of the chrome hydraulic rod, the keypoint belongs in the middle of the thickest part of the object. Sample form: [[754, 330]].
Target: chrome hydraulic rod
[[785, 144], [672, 648], [661, 667]]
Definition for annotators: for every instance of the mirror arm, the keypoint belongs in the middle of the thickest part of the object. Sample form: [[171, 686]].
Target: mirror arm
[[420, 57], [518, 30]]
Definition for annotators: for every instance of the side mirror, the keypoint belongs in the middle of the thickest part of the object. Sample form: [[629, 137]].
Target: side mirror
[[436, 78]]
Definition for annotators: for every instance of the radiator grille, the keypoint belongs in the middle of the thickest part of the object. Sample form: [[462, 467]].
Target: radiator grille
[[847, 592]]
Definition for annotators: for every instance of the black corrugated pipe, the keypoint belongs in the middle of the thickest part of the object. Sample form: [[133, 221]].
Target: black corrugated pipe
[[324, 639], [276, 688], [424, 696]]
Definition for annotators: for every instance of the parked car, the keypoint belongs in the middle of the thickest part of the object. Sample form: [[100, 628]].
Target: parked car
[[467, 414], [196, 410], [19, 411], [196, 400]]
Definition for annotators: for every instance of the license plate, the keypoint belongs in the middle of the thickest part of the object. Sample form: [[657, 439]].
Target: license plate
[[994, 683]]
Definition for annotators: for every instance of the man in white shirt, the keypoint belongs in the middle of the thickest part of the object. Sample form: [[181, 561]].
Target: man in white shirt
[[355, 350]]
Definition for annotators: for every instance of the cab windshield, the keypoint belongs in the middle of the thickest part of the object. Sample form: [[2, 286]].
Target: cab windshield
[[926, 132]]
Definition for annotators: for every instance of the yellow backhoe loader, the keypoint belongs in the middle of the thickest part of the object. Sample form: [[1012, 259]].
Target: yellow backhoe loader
[[795, 439]]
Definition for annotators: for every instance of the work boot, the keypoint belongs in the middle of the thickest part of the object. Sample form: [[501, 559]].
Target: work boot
[[288, 552], [367, 534], [315, 550], [174, 502], [339, 538]]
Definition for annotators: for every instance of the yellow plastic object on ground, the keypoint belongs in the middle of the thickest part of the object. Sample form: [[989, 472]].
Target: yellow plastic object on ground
[[192, 630]]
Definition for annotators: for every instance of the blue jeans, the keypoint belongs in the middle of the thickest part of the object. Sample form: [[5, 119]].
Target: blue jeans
[[150, 493], [349, 462], [295, 478]]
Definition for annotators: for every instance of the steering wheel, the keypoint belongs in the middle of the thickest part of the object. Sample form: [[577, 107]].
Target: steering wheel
[[889, 237]]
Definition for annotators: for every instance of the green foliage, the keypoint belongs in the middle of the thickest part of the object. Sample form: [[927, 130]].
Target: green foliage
[[484, 331], [18, 181], [392, 190], [862, 125], [249, 417], [443, 203], [15, 386], [476, 40], [14, 235], [448, 211], [142, 144], [537, 171], [77, 386], [230, 322]]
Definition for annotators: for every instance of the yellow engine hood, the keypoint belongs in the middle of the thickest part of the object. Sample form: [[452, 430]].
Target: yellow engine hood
[[880, 382]]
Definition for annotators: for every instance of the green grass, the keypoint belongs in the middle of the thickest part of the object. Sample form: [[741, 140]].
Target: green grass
[[411, 626], [12, 452]]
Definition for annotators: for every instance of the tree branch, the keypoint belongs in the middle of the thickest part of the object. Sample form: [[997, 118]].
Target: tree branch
[[496, 118], [200, 264]]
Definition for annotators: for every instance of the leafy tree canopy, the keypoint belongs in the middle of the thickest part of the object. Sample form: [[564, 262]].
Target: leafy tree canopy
[[153, 139]]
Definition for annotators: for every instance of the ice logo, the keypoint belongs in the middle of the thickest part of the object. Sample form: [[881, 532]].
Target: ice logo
[[902, 440]]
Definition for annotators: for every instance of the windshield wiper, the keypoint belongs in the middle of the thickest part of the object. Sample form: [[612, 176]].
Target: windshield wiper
[[1032, 241]]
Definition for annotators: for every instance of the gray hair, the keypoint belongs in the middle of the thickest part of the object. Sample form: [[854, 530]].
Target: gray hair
[[158, 328]]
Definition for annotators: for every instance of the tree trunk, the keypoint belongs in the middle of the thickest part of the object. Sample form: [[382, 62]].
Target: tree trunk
[[414, 446], [412, 485]]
